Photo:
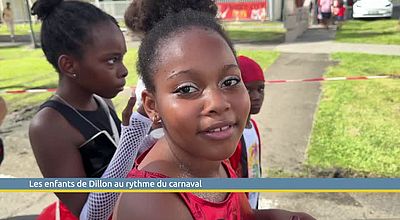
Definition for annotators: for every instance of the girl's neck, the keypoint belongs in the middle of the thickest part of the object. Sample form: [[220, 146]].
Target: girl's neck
[[188, 166], [76, 97], [248, 124]]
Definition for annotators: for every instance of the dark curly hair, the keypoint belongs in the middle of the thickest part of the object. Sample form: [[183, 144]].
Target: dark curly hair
[[142, 15], [66, 27], [170, 26]]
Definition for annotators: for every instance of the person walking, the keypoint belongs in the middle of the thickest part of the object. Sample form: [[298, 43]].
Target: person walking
[[8, 18], [326, 11]]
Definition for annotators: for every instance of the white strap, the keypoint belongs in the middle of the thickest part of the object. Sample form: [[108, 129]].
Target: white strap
[[114, 129], [57, 215], [112, 122]]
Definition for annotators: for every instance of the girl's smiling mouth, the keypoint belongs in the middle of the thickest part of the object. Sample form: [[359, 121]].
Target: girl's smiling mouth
[[219, 131]]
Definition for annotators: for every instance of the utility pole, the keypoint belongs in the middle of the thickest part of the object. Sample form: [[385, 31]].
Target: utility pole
[[270, 8], [33, 39]]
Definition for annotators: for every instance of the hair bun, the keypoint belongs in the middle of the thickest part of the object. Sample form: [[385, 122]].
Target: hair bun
[[42, 8], [142, 15]]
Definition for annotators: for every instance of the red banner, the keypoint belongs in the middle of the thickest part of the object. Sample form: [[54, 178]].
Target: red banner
[[242, 10]]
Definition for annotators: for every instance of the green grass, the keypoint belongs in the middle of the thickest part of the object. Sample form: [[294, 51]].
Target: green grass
[[370, 32], [238, 31], [24, 68], [255, 31], [357, 123], [20, 29], [263, 57]]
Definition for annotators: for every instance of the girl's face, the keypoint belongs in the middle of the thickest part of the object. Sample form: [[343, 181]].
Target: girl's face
[[256, 93], [199, 95], [101, 70]]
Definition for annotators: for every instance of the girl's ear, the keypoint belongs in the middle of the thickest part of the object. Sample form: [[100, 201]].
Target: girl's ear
[[67, 66], [149, 104]]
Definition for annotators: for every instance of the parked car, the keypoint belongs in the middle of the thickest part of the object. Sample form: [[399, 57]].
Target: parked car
[[372, 8]]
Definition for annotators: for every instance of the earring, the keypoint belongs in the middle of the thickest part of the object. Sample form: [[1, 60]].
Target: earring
[[74, 75], [155, 119]]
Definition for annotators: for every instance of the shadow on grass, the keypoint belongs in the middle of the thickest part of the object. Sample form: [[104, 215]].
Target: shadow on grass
[[364, 35], [6, 45]]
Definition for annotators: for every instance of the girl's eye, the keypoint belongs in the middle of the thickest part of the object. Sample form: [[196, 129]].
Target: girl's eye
[[230, 81], [112, 60], [186, 89]]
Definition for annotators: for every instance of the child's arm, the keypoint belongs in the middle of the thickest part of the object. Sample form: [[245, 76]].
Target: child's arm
[[55, 145], [133, 137]]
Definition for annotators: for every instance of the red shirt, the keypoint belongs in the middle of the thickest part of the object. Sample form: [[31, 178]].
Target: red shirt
[[232, 208], [341, 11]]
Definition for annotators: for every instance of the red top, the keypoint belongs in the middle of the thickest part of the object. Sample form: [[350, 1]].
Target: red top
[[229, 209], [341, 11]]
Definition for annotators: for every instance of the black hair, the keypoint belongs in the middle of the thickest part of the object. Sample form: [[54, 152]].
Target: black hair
[[142, 15], [166, 29], [66, 27]]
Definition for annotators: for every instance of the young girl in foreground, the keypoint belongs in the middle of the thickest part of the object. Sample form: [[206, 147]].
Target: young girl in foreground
[[194, 89], [99, 206]]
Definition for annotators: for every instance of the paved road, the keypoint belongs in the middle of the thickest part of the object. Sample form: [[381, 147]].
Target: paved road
[[288, 111]]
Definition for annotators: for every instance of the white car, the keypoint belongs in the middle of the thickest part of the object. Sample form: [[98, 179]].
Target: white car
[[372, 8]]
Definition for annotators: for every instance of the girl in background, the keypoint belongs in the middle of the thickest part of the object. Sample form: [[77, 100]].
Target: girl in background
[[246, 161], [339, 11], [86, 48]]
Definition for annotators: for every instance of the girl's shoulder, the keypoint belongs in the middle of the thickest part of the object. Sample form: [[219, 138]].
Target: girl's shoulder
[[136, 206], [47, 118], [49, 126]]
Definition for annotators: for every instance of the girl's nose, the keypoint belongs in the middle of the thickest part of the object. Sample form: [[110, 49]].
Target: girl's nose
[[216, 102], [123, 71]]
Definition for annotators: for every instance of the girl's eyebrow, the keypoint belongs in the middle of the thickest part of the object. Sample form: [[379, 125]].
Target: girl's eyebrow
[[191, 71], [176, 74], [230, 66]]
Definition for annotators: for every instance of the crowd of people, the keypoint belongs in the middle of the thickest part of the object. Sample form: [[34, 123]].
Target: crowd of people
[[196, 92]]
